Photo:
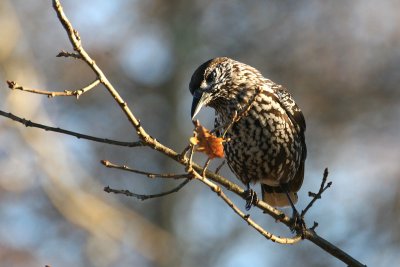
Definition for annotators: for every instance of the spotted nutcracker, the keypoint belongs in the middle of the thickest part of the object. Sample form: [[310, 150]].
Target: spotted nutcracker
[[262, 123]]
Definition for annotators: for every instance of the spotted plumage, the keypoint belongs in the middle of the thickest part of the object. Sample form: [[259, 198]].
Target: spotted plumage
[[266, 144]]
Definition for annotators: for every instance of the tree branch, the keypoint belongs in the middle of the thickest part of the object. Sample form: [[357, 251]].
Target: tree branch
[[318, 195], [312, 236], [148, 174], [29, 123], [75, 40], [246, 217], [15, 86], [145, 197], [64, 53], [219, 167], [209, 178]]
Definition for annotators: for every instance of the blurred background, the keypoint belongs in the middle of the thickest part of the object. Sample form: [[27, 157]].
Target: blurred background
[[339, 59]]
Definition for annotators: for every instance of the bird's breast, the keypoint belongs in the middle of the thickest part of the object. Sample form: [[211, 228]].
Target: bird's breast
[[261, 144]]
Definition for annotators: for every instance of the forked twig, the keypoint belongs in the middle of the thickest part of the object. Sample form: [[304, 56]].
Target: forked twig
[[317, 195]]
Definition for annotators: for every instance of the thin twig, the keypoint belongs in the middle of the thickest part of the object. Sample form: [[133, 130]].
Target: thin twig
[[29, 123], [108, 164], [15, 86], [182, 155], [64, 53], [317, 195], [203, 173], [189, 164], [220, 166], [315, 225], [144, 197]]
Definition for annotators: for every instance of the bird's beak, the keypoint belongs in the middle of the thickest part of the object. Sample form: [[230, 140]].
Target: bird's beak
[[200, 99]]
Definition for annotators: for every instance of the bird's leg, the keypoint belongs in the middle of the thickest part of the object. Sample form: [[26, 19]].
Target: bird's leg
[[295, 212], [250, 196], [298, 220]]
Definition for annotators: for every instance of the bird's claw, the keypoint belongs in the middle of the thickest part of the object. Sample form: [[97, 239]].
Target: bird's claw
[[250, 197], [298, 224]]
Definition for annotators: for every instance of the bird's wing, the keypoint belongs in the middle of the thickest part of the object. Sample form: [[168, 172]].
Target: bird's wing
[[296, 116], [290, 106]]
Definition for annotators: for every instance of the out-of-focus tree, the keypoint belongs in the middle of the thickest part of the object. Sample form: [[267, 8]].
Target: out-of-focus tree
[[339, 59]]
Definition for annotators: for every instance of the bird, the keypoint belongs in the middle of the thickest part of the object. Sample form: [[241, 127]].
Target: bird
[[263, 127]]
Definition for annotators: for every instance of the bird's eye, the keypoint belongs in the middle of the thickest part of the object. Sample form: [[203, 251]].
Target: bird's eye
[[211, 77]]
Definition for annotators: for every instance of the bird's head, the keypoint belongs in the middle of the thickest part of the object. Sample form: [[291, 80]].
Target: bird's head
[[223, 83], [209, 83]]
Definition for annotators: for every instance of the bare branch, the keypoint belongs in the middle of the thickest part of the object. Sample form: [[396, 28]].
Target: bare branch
[[220, 166], [332, 249], [15, 86], [182, 155], [64, 53], [144, 197], [203, 173], [29, 123], [108, 164], [77, 45], [317, 195], [278, 215], [194, 170]]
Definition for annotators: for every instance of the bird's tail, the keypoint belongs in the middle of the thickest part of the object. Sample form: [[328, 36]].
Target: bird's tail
[[275, 196]]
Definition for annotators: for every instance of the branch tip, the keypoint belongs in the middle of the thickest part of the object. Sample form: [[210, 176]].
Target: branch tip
[[144, 197], [317, 195], [326, 172], [11, 84], [315, 225], [105, 162]]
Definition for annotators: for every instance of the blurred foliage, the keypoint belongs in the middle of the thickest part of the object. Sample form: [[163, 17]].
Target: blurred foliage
[[340, 60]]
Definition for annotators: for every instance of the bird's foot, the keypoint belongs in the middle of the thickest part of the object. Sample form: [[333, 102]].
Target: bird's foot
[[298, 224], [250, 197]]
